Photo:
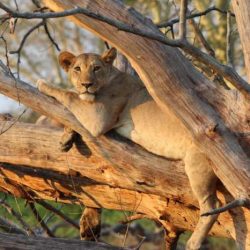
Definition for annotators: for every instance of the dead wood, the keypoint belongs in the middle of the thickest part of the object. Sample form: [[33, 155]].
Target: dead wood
[[134, 180], [171, 81], [20, 242], [241, 10]]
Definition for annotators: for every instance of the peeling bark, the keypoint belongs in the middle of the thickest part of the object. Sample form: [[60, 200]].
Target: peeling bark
[[12, 241], [131, 178], [158, 66], [134, 181]]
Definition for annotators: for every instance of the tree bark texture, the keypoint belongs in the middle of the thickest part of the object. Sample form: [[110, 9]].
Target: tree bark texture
[[241, 10], [134, 180], [131, 178], [171, 80], [20, 242]]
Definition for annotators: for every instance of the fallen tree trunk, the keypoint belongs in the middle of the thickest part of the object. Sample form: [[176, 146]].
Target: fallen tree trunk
[[135, 180], [12, 241], [158, 66]]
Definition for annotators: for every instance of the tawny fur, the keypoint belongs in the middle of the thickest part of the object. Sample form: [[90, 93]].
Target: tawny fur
[[115, 100]]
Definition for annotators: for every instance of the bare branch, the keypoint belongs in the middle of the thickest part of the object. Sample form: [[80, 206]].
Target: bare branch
[[49, 35], [52, 177], [40, 220], [182, 23], [6, 54], [18, 217], [201, 38], [199, 14], [10, 227], [217, 77], [229, 44], [58, 212], [229, 73], [12, 241], [231, 205], [19, 50], [3, 130], [226, 71]]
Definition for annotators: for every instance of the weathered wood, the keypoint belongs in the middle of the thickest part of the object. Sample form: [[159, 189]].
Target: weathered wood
[[19, 242], [133, 181], [242, 14], [170, 79]]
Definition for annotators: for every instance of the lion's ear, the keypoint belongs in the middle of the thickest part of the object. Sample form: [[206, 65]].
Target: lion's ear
[[65, 60], [109, 55]]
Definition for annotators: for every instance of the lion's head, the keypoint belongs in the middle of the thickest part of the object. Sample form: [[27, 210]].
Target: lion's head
[[88, 72]]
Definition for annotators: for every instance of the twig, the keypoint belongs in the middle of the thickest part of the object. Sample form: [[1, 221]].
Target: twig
[[12, 124], [6, 54], [18, 217], [201, 38], [19, 50], [27, 34], [228, 72], [217, 77], [229, 36], [199, 14], [49, 36], [40, 220], [182, 23], [10, 227], [233, 204], [140, 243], [59, 213]]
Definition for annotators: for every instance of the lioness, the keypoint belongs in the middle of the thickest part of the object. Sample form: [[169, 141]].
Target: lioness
[[106, 99]]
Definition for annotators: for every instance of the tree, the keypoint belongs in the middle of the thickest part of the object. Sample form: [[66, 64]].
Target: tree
[[201, 104]]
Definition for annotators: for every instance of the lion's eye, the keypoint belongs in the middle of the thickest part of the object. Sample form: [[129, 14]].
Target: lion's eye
[[96, 68], [77, 68]]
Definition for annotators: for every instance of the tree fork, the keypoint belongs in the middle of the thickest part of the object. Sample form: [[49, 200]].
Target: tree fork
[[145, 55]]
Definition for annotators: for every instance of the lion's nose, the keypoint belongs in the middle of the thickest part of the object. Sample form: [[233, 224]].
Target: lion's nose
[[87, 84]]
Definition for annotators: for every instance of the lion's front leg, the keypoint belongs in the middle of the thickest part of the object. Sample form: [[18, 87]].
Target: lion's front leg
[[61, 95], [64, 97], [67, 139]]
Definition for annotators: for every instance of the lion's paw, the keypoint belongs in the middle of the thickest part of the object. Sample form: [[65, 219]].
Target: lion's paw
[[40, 84]]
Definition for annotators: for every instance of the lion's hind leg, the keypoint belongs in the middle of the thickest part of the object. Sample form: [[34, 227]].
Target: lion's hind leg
[[203, 183]]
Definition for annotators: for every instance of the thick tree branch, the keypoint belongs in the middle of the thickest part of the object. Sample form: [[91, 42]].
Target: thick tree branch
[[12, 241], [229, 73], [180, 95], [146, 56], [194, 104], [122, 184], [163, 77], [241, 10]]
